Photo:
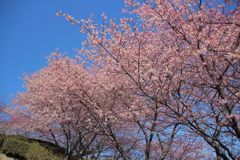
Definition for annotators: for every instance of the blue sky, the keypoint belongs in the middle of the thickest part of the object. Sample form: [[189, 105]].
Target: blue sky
[[30, 31]]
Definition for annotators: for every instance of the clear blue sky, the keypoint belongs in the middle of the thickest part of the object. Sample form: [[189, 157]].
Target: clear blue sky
[[30, 31]]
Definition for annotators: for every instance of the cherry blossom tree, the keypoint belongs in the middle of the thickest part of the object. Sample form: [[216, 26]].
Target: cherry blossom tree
[[181, 56], [89, 112], [74, 107], [3, 116], [53, 110]]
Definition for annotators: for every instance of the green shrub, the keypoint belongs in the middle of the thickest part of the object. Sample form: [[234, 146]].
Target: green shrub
[[15, 147], [2, 137], [30, 149], [37, 152], [19, 137], [48, 145]]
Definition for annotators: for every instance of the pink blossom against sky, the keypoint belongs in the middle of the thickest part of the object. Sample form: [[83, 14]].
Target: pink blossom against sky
[[30, 31]]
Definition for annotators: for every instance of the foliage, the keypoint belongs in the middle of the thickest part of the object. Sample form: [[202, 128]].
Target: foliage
[[48, 146], [37, 152], [28, 148], [15, 147], [2, 136]]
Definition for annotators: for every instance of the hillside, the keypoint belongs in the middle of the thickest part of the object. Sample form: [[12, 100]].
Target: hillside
[[21, 148]]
